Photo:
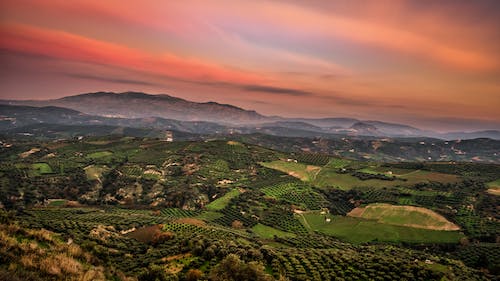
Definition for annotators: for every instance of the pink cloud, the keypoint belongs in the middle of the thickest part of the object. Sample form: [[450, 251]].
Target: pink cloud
[[64, 45]]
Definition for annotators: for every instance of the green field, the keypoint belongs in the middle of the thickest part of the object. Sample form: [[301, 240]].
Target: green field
[[209, 216], [268, 232], [298, 170], [338, 163], [330, 176], [57, 203], [99, 154], [358, 230], [42, 168], [404, 216], [221, 203], [494, 187]]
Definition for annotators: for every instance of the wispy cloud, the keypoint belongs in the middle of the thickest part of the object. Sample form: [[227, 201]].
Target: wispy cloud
[[67, 46], [276, 90], [110, 79], [385, 57]]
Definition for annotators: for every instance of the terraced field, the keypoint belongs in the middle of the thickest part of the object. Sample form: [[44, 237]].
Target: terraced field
[[296, 193]]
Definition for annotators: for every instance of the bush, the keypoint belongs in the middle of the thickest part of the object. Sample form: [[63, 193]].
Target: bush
[[231, 268]]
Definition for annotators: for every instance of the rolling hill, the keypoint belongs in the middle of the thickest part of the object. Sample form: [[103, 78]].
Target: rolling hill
[[136, 105]]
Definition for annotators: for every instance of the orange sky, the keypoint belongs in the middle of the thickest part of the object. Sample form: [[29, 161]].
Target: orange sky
[[432, 64]]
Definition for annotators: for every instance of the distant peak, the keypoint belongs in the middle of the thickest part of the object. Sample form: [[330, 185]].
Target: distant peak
[[222, 104], [362, 125], [130, 94]]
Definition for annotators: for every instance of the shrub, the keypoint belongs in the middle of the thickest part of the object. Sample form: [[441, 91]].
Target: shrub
[[231, 268]]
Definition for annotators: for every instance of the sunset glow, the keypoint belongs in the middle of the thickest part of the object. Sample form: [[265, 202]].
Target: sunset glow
[[431, 64]]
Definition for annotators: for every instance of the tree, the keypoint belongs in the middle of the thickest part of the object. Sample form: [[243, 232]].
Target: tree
[[194, 274], [231, 268], [237, 224]]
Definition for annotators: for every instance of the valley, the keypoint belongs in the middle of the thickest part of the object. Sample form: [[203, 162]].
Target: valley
[[233, 140], [185, 205]]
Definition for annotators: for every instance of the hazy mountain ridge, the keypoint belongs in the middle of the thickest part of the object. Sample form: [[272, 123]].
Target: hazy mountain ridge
[[144, 105], [21, 122], [137, 109]]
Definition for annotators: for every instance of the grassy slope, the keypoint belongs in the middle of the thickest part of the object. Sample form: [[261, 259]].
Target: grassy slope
[[99, 154], [328, 175], [358, 230], [494, 187], [268, 232], [404, 216], [94, 172], [43, 168], [43, 255], [298, 170], [222, 202]]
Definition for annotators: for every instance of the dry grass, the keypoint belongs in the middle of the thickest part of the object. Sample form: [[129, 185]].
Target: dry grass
[[28, 260], [50, 266], [58, 259], [94, 274], [42, 235], [68, 264], [74, 251], [190, 221]]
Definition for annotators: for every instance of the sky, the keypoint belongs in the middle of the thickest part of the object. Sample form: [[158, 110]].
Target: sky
[[431, 64]]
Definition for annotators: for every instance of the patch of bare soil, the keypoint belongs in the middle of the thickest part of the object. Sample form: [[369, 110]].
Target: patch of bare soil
[[494, 191], [191, 221], [29, 152], [446, 225], [146, 234], [357, 212], [177, 257]]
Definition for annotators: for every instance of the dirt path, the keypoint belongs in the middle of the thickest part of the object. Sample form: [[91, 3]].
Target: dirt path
[[356, 212], [412, 172], [316, 171], [305, 221]]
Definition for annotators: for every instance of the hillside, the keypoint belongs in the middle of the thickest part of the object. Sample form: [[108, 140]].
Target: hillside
[[140, 105], [20, 122]]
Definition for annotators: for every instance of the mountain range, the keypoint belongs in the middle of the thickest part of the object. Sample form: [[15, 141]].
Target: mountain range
[[140, 110]]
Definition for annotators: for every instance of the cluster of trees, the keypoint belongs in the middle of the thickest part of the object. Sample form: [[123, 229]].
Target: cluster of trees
[[368, 176]]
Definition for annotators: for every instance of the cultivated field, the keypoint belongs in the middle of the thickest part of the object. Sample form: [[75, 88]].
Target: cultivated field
[[494, 187], [298, 170], [359, 230], [268, 232], [411, 216], [221, 203], [331, 175]]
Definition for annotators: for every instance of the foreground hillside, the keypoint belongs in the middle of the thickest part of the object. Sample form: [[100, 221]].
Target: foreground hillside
[[124, 208]]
